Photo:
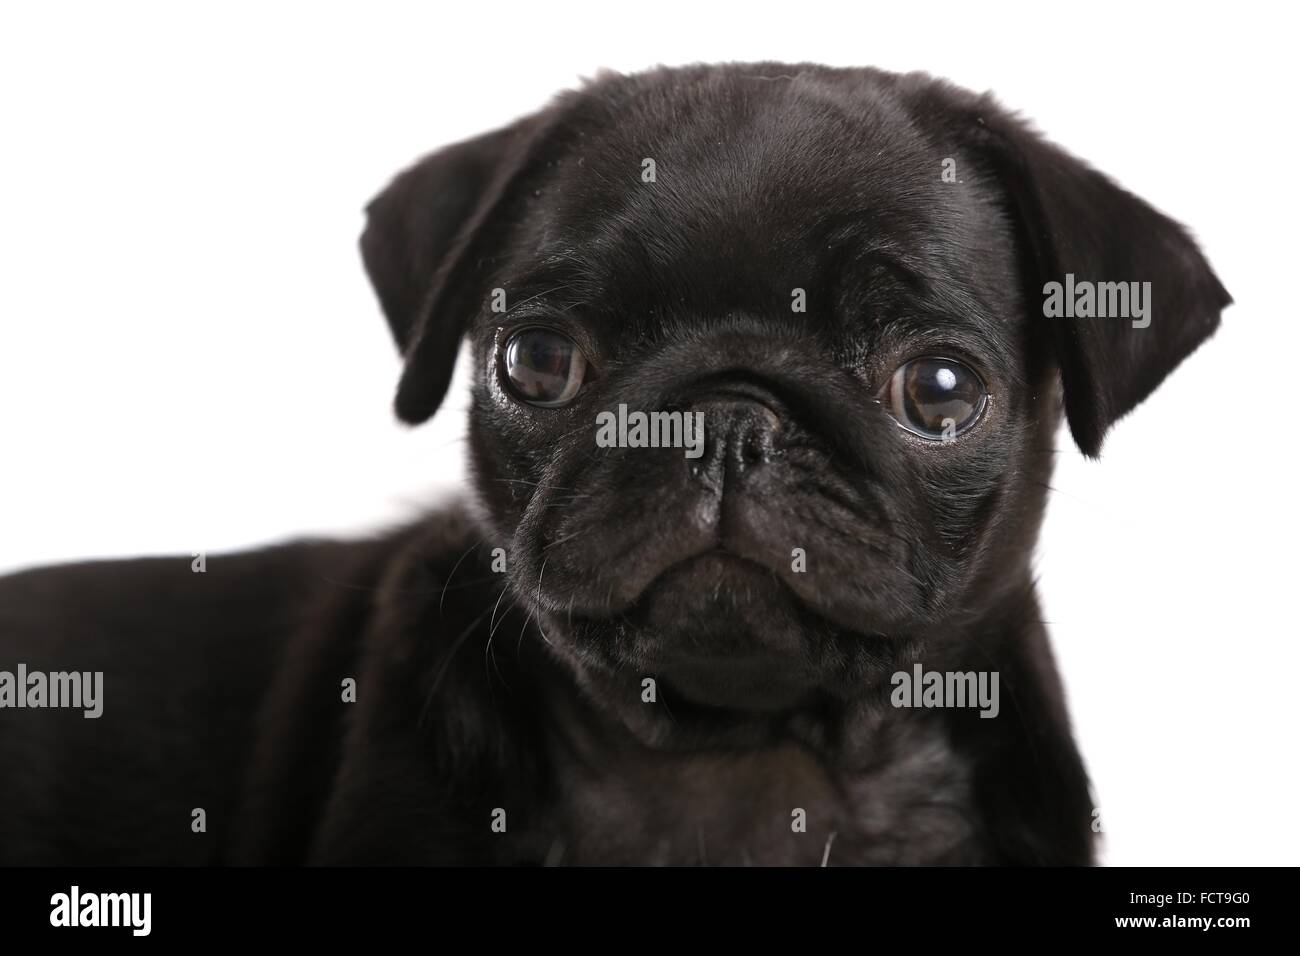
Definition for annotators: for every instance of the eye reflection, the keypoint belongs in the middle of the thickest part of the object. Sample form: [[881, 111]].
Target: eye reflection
[[935, 398], [543, 367]]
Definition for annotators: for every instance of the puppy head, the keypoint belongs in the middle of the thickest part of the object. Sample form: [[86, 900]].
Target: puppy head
[[840, 274]]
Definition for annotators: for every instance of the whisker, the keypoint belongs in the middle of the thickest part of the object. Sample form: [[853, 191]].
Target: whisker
[[453, 573], [446, 664]]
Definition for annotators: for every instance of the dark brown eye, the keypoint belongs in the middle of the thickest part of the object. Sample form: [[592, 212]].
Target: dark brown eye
[[544, 367], [935, 398]]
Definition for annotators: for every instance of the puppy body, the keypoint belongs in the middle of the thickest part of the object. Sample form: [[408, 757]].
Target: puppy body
[[223, 693], [627, 655]]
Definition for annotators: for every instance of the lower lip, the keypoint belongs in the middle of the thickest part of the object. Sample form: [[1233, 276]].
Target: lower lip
[[725, 563]]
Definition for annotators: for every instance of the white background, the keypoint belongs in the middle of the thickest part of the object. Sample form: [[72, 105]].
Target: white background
[[190, 357]]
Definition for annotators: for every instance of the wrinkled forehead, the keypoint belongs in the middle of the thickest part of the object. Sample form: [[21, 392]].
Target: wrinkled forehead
[[681, 203]]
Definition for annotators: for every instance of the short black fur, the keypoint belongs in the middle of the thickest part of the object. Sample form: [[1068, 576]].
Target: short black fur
[[522, 691]]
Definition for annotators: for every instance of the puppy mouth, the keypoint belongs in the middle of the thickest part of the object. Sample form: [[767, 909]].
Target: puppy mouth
[[736, 614], [750, 575], [722, 582], [714, 579], [726, 568], [723, 629]]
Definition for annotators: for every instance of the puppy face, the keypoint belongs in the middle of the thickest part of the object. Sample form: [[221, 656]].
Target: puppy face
[[680, 295], [839, 274]]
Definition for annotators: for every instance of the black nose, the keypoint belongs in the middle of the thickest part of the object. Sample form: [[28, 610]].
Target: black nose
[[739, 436]]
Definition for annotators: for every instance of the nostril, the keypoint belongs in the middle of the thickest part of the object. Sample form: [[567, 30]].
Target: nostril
[[755, 447], [752, 438]]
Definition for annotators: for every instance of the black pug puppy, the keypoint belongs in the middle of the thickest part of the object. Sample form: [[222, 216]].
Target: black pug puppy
[[631, 654]]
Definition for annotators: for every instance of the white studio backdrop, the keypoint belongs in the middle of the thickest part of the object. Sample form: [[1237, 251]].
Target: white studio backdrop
[[191, 358]]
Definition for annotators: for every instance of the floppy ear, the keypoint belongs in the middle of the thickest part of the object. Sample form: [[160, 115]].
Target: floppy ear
[[1074, 221], [429, 237]]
